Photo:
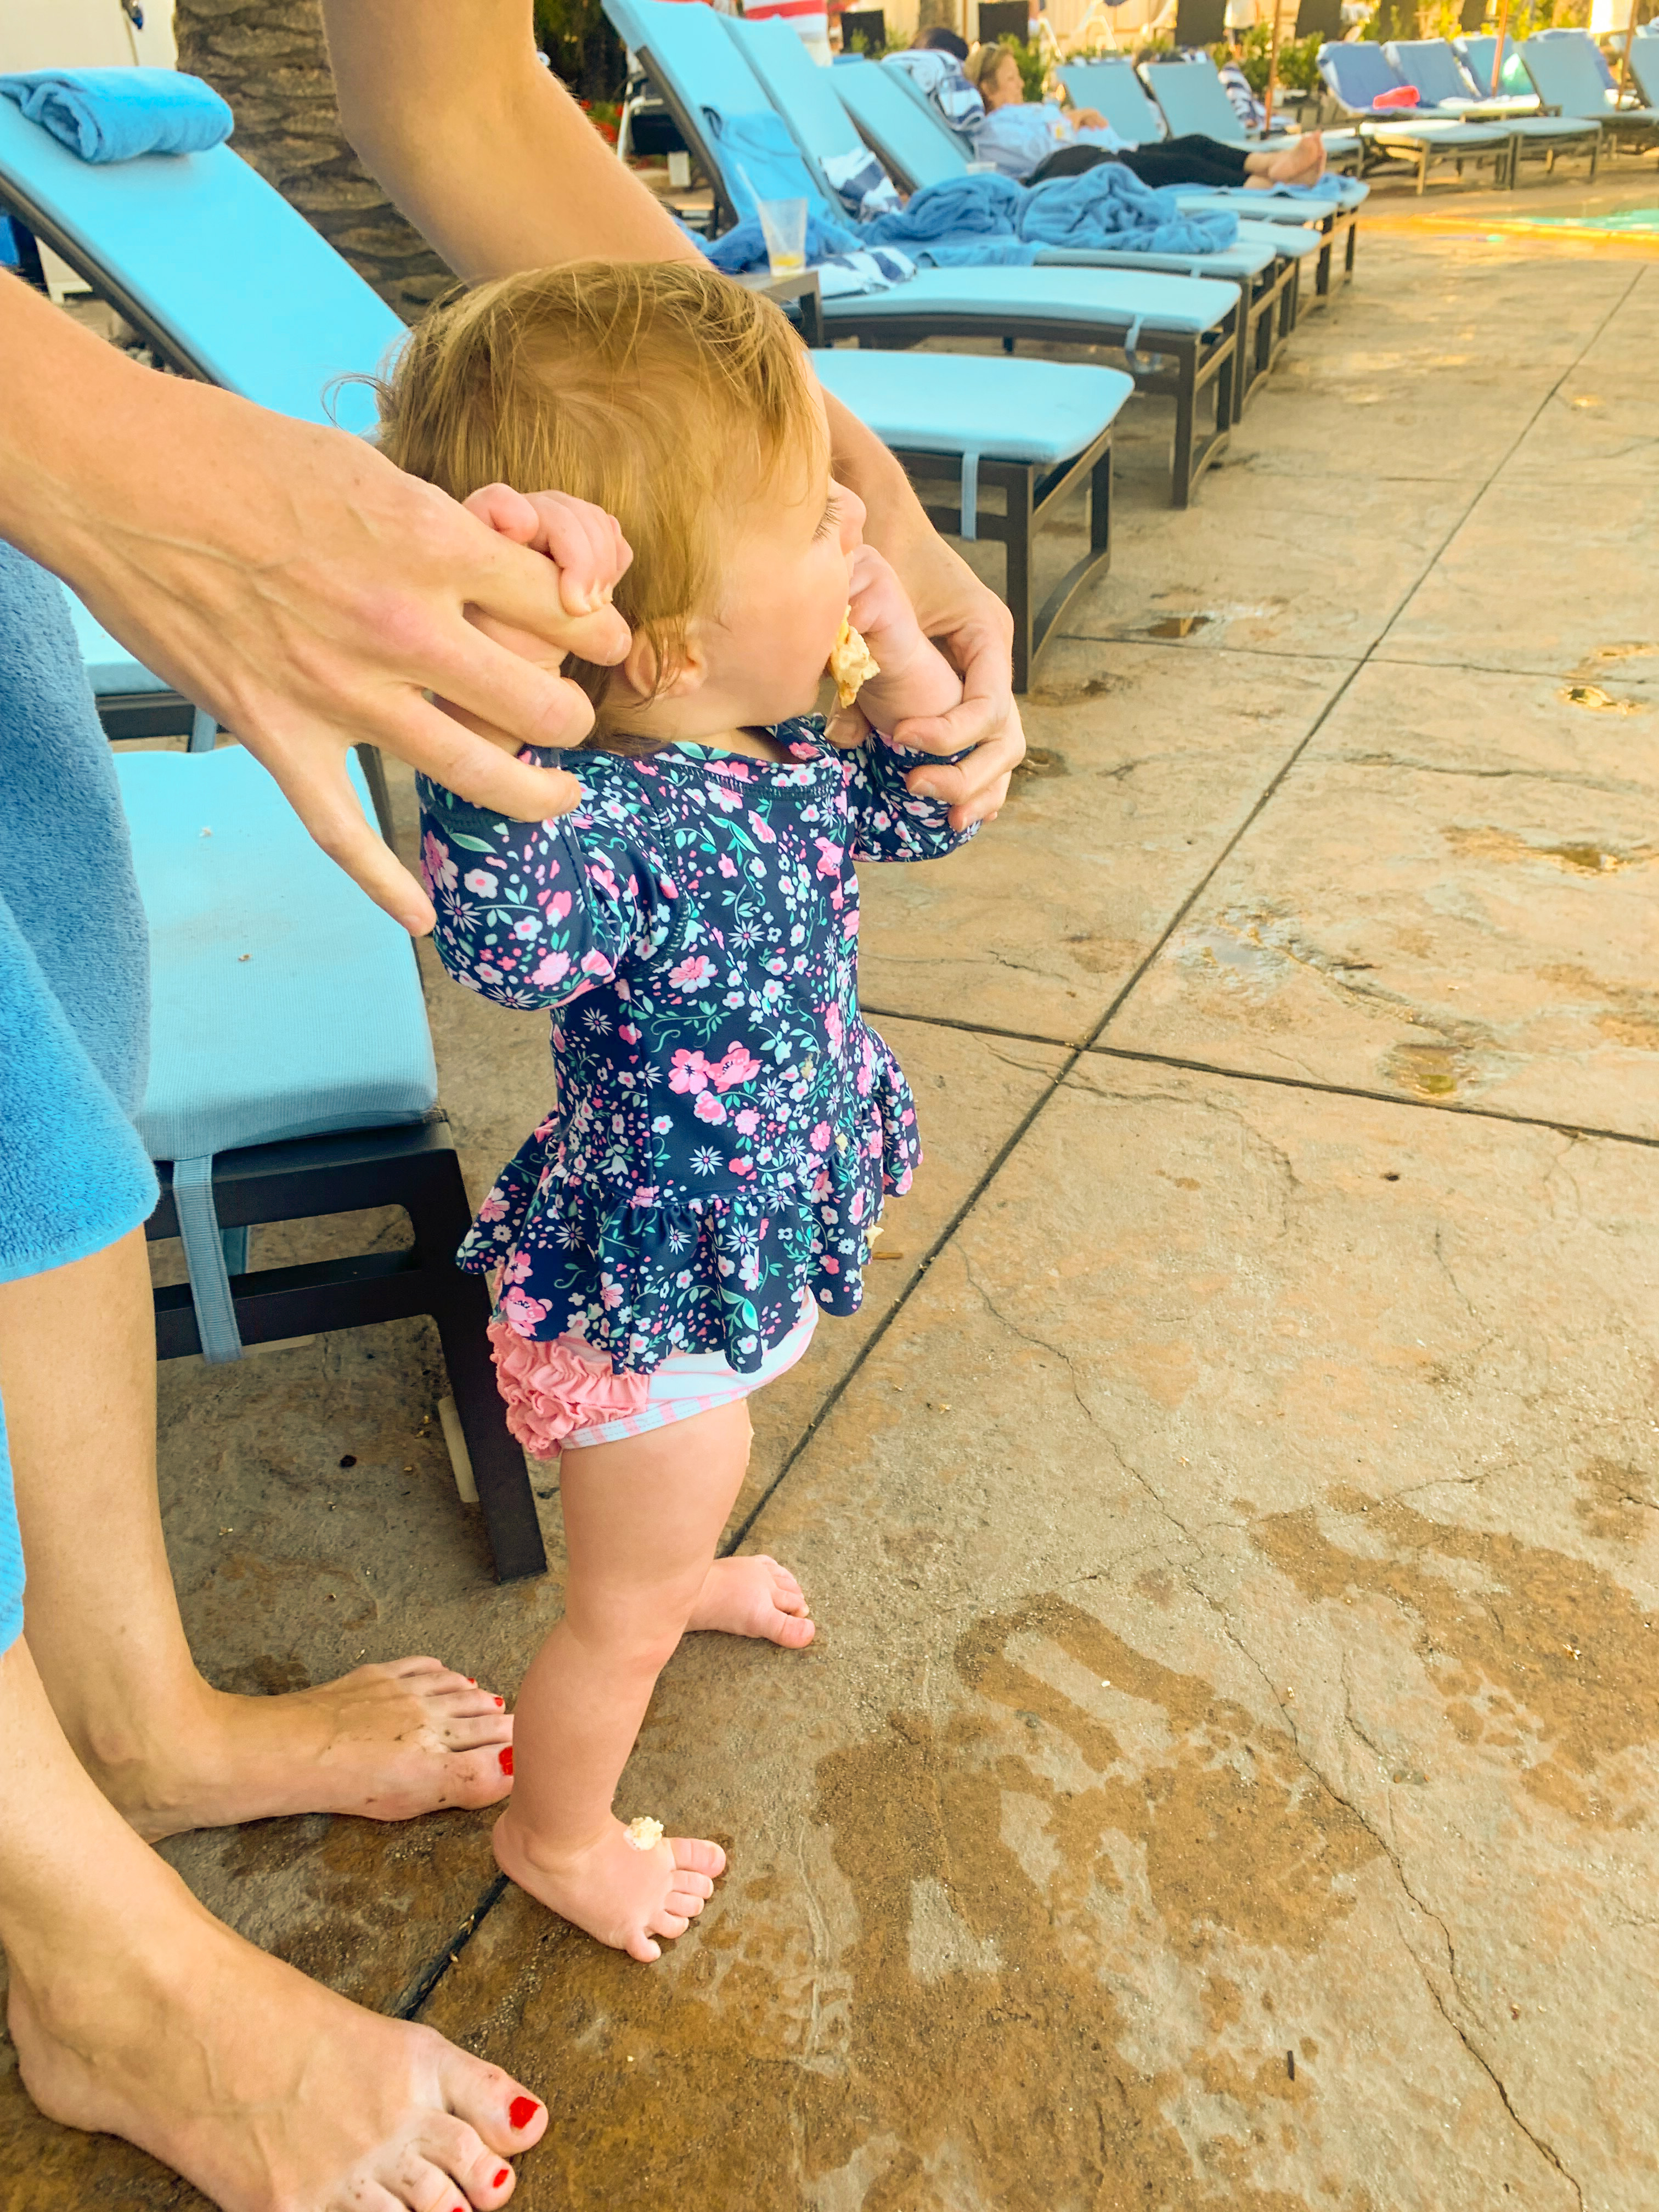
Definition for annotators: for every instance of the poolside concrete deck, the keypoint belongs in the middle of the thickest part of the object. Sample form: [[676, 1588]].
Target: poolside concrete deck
[[1225, 1776]]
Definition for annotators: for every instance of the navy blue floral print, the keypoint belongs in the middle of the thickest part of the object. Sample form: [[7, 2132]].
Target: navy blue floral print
[[726, 1126]]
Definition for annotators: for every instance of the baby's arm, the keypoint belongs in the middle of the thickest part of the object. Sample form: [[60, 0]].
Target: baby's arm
[[915, 678], [532, 914]]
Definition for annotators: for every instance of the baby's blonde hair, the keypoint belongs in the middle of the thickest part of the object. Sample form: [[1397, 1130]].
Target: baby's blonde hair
[[662, 391]]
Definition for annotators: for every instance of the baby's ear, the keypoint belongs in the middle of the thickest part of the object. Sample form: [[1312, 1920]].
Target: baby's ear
[[681, 672]]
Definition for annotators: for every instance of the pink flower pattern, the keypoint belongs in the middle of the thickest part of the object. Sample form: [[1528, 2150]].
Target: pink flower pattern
[[726, 1125]]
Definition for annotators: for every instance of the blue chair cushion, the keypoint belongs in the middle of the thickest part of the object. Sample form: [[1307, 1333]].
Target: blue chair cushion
[[1004, 298], [1017, 411], [218, 260], [285, 1004]]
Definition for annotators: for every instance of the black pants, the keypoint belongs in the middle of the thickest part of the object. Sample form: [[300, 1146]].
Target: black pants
[[1188, 161]]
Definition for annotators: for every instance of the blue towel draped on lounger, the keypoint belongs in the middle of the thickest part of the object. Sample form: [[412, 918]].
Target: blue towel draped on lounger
[[1107, 207], [116, 114]]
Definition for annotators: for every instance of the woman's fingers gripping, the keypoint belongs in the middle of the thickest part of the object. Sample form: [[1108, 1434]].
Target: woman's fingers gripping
[[987, 720], [584, 544]]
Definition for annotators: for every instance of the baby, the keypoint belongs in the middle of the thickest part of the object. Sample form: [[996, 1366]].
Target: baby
[[712, 1171]]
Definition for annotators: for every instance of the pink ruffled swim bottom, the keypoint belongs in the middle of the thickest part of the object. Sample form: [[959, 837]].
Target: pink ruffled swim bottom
[[565, 1394]]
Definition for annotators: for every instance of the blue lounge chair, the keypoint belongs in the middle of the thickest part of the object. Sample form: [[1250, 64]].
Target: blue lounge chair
[[1564, 71], [1359, 73], [1433, 66], [297, 1081], [316, 319], [1113, 84], [1190, 326], [1644, 64], [809, 100], [1191, 97], [1478, 50]]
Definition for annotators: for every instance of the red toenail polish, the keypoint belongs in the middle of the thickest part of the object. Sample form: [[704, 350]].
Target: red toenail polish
[[505, 1758], [501, 1702], [522, 2110], [504, 2175]]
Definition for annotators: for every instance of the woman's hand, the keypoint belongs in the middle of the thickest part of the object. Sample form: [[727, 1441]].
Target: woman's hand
[[1087, 119], [958, 613], [589, 556], [290, 581]]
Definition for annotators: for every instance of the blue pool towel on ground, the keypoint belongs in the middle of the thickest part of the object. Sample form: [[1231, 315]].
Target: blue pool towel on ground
[[116, 114]]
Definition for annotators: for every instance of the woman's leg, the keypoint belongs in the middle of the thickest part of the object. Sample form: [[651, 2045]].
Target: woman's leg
[[1189, 159], [1071, 162], [642, 1520], [134, 2013], [77, 1374]]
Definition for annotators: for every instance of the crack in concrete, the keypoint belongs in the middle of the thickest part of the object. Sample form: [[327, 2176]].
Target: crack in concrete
[[1606, 784], [1544, 2150]]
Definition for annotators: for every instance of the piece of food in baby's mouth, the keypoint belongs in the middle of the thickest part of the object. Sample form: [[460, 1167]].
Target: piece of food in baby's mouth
[[851, 663], [645, 1833]]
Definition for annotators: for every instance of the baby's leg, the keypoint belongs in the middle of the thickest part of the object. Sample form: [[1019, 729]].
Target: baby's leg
[[642, 1520]]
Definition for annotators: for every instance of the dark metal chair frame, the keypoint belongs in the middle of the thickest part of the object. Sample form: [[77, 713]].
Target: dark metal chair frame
[[416, 1169]]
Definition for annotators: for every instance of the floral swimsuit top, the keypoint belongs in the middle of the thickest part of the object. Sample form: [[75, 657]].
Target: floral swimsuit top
[[726, 1126]]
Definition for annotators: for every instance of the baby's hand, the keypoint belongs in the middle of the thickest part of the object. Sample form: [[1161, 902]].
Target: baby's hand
[[587, 549], [915, 677]]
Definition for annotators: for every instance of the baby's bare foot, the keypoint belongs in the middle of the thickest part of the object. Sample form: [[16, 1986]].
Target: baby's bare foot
[[621, 1895], [754, 1596], [387, 1742]]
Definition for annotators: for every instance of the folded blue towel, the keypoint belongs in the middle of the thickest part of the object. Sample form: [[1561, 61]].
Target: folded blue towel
[[1109, 206], [116, 114]]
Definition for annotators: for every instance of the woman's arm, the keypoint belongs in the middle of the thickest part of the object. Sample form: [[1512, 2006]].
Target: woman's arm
[[288, 580], [490, 159]]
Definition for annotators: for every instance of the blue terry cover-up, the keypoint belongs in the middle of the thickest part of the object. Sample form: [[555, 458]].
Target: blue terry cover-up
[[74, 976], [726, 1125]]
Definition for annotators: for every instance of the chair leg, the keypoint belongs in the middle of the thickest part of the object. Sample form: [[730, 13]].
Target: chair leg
[[505, 1496], [1181, 474], [442, 1215], [1021, 582]]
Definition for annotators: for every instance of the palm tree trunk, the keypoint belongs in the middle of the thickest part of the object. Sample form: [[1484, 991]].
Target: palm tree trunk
[[269, 59]]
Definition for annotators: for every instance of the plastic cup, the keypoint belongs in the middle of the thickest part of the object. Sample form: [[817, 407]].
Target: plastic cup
[[783, 225]]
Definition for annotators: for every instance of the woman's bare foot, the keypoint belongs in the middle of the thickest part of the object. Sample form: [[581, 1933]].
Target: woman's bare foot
[[266, 2091], [1302, 162], [621, 1895], [384, 1741], [754, 1596]]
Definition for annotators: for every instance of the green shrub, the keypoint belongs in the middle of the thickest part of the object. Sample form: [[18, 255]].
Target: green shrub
[[1298, 60]]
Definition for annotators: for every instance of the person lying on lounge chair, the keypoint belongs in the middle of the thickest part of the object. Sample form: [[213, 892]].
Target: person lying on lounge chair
[[1033, 141]]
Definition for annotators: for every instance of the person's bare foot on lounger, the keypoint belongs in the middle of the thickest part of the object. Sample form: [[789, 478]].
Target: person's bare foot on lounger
[[261, 2087], [1302, 162], [387, 1742]]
